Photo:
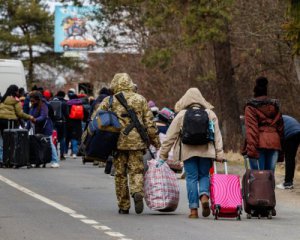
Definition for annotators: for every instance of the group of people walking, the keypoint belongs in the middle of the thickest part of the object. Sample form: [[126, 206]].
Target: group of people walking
[[42, 113], [269, 135]]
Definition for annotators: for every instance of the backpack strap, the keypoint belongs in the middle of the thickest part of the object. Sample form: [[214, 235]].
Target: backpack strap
[[110, 102]]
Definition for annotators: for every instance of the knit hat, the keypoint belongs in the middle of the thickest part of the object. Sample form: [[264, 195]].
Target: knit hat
[[72, 90], [47, 94], [151, 104], [261, 87]]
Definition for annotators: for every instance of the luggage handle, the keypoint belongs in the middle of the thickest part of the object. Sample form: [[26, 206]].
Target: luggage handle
[[225, 166], [246, 160], [12, 124], [32, 129]]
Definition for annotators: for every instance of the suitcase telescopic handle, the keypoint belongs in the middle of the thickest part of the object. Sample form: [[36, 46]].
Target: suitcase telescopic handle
[[247, 160], [225, 166], [10, 124]]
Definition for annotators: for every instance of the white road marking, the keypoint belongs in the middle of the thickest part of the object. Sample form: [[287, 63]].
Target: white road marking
[[77, 216], [104, 228], [89, 221], [114, 234], [69, 211]]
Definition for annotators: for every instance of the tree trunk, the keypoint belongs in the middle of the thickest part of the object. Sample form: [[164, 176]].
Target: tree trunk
[[229, 117], [297, 66], [30, 67]]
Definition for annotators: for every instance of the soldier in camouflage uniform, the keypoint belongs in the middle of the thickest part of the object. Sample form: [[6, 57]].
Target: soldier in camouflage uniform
[[130, 149]]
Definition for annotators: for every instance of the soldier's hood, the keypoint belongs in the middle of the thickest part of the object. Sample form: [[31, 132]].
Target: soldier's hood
[[192, 97], [121, 82]]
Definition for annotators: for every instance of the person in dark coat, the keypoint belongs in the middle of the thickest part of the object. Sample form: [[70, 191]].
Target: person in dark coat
[[103, 93], [73, 127], [290, 146], [264, 128], [60, 124], [43, 124]]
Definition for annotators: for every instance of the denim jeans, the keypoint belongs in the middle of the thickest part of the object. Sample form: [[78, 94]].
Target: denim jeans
[[54, 155], [74, 145], [197, 179], [267, 160], [62, 146]]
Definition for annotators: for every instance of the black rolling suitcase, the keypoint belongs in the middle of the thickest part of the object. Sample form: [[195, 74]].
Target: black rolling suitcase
[[15, 147], [40, 150], [258, 188]]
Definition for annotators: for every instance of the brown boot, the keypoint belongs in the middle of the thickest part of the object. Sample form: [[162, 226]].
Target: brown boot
[[205, 205], [194, 213]]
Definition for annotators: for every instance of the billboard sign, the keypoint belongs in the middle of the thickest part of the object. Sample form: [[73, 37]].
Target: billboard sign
[[74, 29]]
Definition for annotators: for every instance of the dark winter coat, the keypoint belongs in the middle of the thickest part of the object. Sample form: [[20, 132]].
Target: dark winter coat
[[264, 126], [96, 103], [60, 126], [73, 126], [291, 127], [43, 123]]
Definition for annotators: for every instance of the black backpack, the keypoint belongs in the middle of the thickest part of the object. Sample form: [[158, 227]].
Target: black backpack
[[195, 130], [56, 105]]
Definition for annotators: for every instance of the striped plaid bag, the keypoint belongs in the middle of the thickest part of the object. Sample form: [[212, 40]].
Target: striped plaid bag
[[161, 188]]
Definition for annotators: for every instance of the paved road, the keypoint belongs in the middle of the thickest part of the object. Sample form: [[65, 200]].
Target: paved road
[[78, 202]]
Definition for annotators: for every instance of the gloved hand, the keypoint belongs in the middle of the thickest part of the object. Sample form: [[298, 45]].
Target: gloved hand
[[159, 163]]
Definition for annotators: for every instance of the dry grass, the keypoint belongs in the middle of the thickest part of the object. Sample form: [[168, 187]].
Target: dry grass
[[237, 158], [234, 157]]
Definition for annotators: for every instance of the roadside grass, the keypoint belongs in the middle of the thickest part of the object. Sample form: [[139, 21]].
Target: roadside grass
[[236, 159]]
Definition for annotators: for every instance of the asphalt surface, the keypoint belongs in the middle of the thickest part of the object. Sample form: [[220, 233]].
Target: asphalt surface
[[85, 190]]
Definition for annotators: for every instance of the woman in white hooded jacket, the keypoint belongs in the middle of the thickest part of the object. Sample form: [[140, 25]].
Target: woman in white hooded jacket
[[197, 159]]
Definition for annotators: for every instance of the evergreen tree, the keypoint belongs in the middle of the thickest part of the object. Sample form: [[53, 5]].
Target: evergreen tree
[[26, 32]]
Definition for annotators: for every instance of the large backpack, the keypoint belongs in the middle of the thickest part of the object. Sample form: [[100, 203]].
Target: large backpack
[[102, 134], [56, 105], [195, 130], [76, 112]]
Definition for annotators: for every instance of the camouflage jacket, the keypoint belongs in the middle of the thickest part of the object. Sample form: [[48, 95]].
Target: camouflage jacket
[[123, 83]]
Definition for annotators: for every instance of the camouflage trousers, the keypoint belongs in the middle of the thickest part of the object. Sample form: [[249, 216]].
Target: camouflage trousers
[[128, 163]]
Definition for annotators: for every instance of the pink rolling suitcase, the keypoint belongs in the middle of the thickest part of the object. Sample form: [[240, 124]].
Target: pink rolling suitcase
[[225, 194]]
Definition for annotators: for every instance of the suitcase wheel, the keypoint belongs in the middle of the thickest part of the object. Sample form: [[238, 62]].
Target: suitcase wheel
[[270, 214], [239, 213], [217, 211]]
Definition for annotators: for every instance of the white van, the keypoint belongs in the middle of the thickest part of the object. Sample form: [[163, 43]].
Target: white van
[[11, 72]]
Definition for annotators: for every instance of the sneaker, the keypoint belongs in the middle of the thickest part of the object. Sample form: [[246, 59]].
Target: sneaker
[[285, 186], [62, 158], [55, 165], [74, 156], [138, 203]]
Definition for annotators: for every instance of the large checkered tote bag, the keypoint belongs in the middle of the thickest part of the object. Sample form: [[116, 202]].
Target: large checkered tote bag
[[161, 188]]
